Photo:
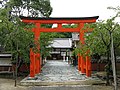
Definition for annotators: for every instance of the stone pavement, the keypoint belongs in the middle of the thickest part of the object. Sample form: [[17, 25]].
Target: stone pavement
[[8, 84], [72, 87], [59, 73]]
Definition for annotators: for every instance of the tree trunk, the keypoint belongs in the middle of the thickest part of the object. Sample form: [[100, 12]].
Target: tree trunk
[[108, 71], [108, 66], [115, 56], [20, 62], [113, 63]]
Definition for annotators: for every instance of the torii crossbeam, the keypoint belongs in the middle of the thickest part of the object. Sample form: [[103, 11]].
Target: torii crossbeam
[[35, 63]]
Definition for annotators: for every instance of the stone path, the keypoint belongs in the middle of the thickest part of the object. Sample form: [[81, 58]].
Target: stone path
[[8, 84], [72, 88], [59, 73]]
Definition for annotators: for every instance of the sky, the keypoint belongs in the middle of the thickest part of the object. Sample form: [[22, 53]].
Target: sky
[[83, 8]]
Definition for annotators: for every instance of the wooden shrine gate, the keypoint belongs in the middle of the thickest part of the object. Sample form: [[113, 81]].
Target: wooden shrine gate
[[35, 63]]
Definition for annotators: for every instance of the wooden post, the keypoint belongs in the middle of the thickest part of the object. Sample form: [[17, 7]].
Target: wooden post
[[37, 59], [82, 65], [82, 41], [32, 63], [88, 66], [59, 25], [79, 62], [38, 63]]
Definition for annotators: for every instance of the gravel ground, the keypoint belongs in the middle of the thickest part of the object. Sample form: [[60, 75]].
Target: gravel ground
[[55, 71], [59, 71], [8, 84]]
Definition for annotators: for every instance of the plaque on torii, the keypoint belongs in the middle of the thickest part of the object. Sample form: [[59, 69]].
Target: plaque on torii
[[35, 63]]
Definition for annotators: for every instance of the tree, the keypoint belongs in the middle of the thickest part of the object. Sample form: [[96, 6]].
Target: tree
[[14, 37], [34, 8], [45, 41], [100, 40], [12, 34]]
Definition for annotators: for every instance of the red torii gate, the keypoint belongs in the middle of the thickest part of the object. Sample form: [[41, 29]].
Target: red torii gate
[[35, 63]]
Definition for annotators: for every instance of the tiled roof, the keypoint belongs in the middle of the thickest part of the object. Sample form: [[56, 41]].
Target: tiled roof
[[59, 18], [61, 43]]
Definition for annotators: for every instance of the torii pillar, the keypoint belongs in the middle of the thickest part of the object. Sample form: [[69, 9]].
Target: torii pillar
[[84, 63], [35, 61]]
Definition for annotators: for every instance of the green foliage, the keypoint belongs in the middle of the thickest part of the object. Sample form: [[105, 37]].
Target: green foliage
[[43, 6], [34, 8], [14, 37], [66, 34], [100, 41], [45, 41], [46, 25]]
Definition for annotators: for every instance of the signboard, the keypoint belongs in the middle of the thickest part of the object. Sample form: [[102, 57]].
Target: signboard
[[63, 53]]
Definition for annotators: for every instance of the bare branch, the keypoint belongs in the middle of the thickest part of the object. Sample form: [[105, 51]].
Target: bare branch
[[102, 37]]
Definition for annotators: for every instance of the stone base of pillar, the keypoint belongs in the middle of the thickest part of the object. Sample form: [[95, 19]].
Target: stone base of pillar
[[32, 78]]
